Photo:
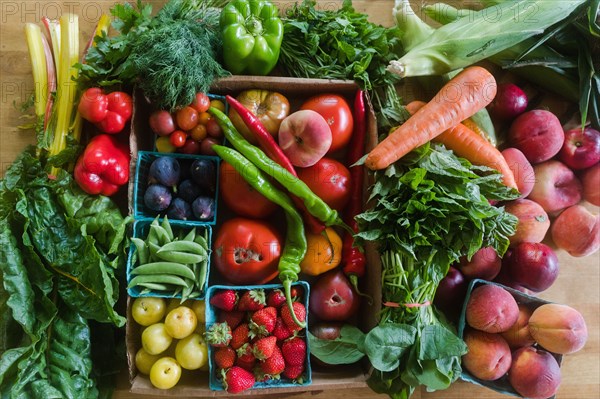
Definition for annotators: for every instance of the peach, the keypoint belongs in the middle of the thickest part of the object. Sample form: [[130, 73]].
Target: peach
[[485, 264], [577, 231], [488, 357], [556, 186], [521, 168], [538, 134], [590, 179], [304, 137], [518, 334], [491, 308], [534, 373], [558, 328], [533, 220]]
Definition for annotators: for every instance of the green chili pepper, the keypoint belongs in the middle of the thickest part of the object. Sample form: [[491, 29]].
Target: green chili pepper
[[252, 34], [313, 203], [295, 246]]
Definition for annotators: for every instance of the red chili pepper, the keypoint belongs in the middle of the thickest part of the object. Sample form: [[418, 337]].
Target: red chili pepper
[[268, 144], [353, 258], [109, 112], [103, 167]]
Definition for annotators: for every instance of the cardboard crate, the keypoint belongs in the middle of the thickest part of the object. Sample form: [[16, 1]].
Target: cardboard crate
[[296, 90]]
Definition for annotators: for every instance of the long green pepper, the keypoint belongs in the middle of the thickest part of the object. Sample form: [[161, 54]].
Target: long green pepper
[[295, 246], [313, 203]]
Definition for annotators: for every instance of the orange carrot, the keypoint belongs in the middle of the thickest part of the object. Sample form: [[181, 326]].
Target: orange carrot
[[467, 144], [461, 97]]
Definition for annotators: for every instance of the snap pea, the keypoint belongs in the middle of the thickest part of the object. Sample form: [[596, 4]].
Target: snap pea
[[153, 248], [296, 245], [184, 246], [167, 226], [161, 234], [177, 269], [157, 278], [190, 236], [142, 251], [313, 203], [155, 286], [179, 256]]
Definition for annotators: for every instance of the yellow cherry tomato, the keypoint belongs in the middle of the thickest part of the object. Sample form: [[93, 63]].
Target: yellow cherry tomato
[[218, 104], [323, 254], [163, 144]]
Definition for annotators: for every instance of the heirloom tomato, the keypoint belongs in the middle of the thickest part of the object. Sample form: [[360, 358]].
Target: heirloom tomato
[[240, 197], [328, 179], [247, 251], [324, 252], [337, 113]]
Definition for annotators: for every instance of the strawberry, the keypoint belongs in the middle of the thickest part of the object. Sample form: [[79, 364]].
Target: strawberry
[[225, 357], [252, 300], [276, 298], [294, 351], [237, 379], [224, 300], [281, 331], [299, 311], [262, 322], [263, 347], [245, 357], [239, 336], [273, 365], [293, 372], [233, 318], [218, 335]]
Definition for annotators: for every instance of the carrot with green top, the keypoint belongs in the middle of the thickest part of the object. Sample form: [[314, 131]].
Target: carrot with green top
[[472, 146], [461, 97]]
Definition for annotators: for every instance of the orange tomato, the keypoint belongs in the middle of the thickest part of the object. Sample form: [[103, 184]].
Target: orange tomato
[[323, 254]]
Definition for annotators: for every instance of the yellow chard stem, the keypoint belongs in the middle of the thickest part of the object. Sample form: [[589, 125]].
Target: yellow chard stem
[[33, 35]]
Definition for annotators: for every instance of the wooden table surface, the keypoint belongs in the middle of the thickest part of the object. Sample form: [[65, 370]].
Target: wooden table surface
[[578, 284]]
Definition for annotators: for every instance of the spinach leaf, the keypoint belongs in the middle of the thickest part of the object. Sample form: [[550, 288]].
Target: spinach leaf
[[385, 345], [348, 348]]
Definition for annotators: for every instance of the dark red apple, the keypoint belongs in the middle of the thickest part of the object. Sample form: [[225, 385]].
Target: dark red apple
[[450, 294], [332, 297], [533, 266], [581, 148]]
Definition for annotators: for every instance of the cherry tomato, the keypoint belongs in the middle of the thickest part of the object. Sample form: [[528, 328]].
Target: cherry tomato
[[206, 146], [247, 251], [201, 103], [191, 146], [178, 138], [163, 144], [330, 180], [162, 123], [324, 252], [218, 104], [198, 133], [204, 117], [337, 113], [186, 118], [213, 129], [240, 197]]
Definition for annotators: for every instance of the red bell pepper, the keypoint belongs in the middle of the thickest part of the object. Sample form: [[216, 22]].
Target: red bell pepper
[[103, 167], [109, 112]]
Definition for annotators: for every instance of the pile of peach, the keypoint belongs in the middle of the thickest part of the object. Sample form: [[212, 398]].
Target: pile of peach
[[556, 172], [519, 341]]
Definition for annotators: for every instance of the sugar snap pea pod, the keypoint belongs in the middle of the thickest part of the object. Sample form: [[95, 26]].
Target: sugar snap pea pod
[[161, 234], [156, 286], [187, 291], [201, 273], [142, 251], [184, 246], [313, 203], [158, 278], [190, 236], [295, 246], [177, 269], [153, 249], [167, 226], [201, 240], [179, 257]]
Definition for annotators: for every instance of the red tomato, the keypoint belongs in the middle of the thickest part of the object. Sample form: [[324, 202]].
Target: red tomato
[[186, 118], [247, 251], [240, 197], [330, 180], [213, 128], [338, 115], [178, 138], [191, 146], [201, 103]]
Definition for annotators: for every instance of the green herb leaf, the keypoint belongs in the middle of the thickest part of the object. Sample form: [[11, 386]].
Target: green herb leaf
[[385, 344], [348, 348]]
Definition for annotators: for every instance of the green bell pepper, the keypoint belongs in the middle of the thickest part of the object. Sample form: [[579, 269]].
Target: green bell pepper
[[252, 34]]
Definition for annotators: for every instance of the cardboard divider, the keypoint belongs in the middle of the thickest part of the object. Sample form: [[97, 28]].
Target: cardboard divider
[[297, 91]]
